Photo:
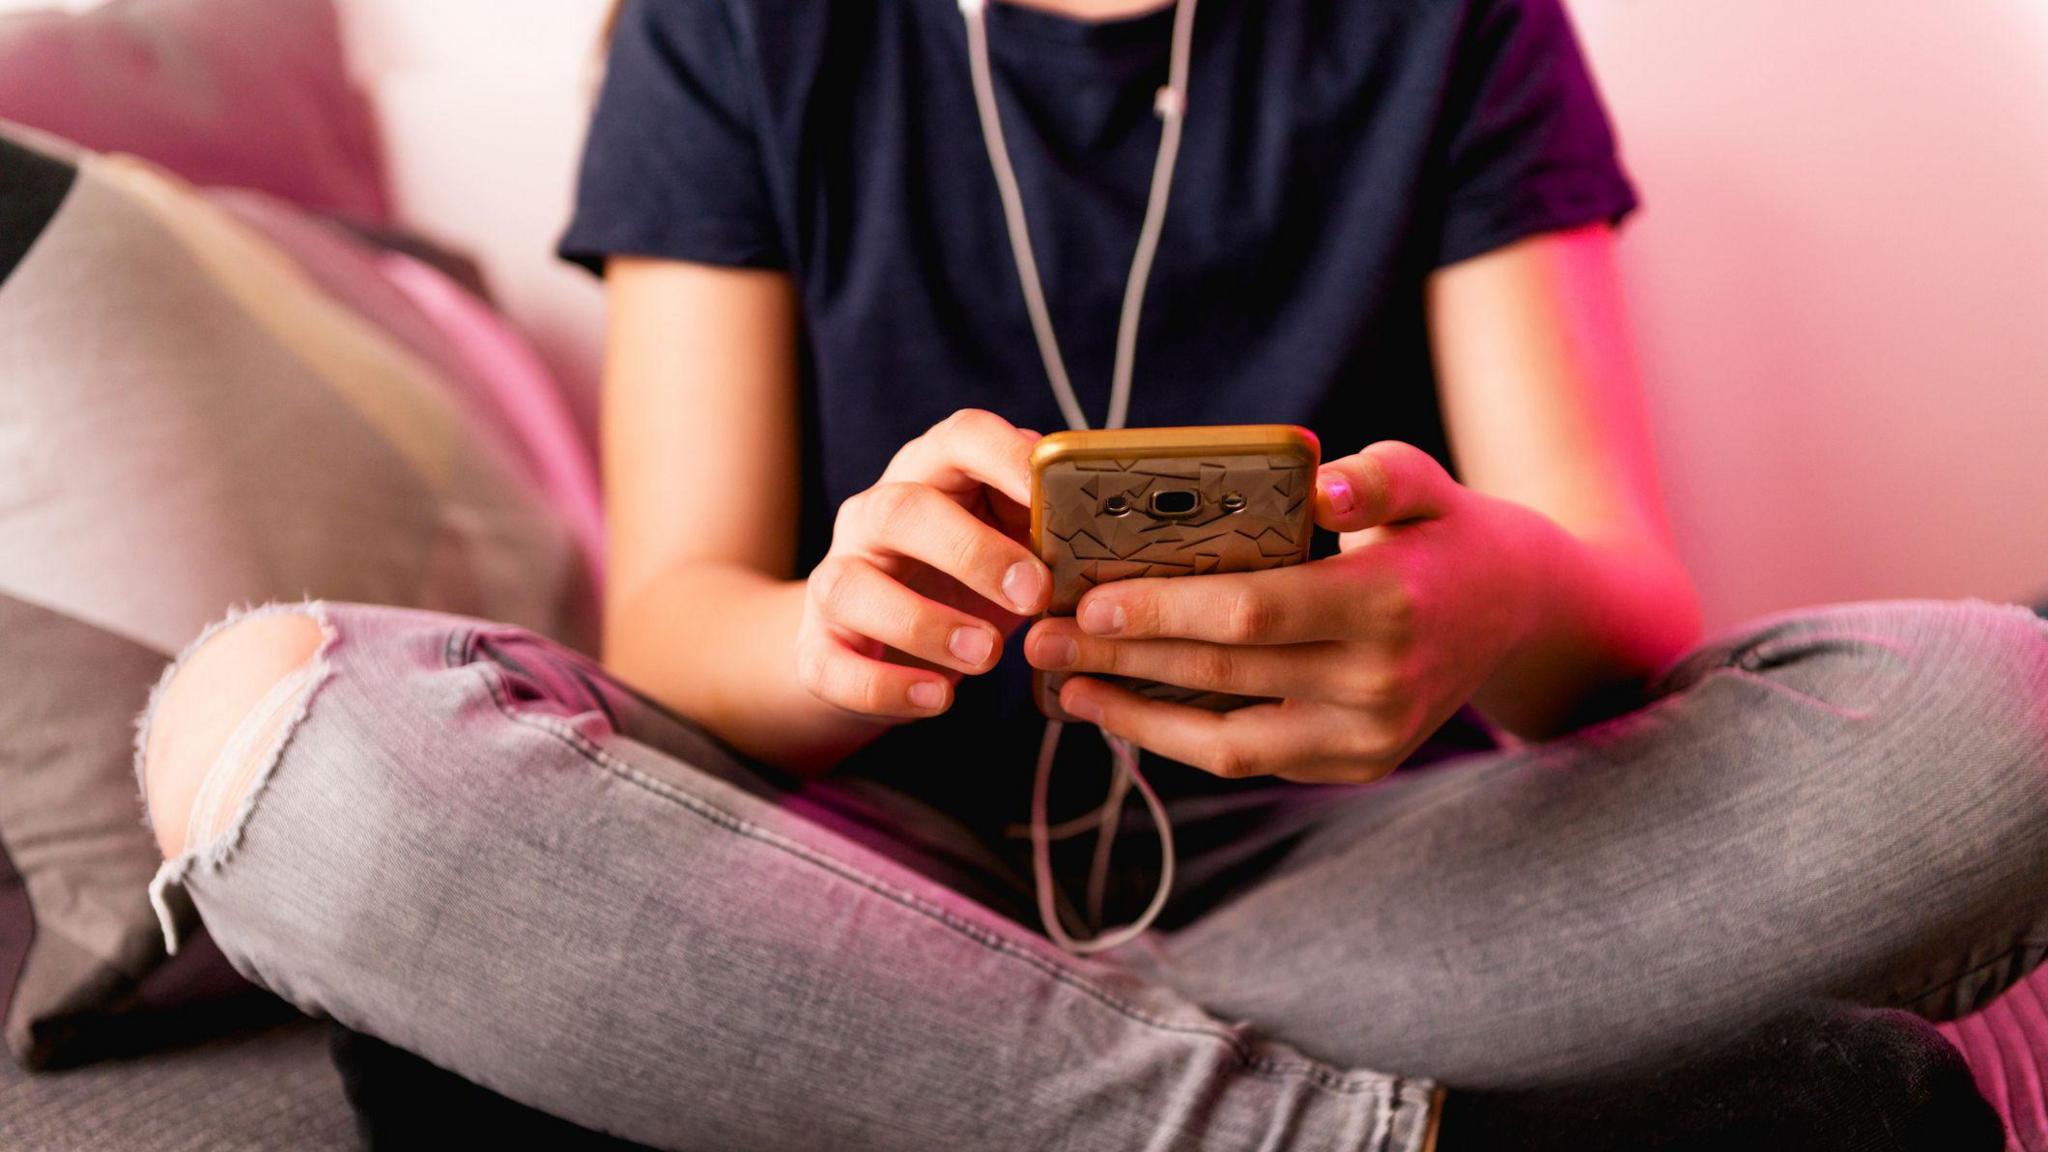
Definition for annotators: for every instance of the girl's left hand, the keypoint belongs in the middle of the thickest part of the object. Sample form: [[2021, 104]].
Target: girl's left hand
[[1370, 651]]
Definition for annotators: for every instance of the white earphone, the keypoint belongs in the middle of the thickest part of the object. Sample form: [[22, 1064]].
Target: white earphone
[[1171, 107]]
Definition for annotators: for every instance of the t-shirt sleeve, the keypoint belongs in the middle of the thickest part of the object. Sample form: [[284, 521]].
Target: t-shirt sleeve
[[672, 166], [1529, 146]]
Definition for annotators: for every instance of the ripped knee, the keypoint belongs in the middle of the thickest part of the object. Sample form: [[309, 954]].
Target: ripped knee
[[219, 717]]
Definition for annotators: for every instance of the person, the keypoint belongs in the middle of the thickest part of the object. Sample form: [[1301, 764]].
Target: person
[[752, 880]]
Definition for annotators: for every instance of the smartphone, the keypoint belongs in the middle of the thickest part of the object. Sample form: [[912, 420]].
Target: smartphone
[[1114, 504]]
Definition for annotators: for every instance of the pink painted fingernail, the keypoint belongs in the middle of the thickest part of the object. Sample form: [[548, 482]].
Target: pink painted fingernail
[[927, 694], [1102, 617], [970, 645], [1339, 489], [1021, 584], [1081, 708]]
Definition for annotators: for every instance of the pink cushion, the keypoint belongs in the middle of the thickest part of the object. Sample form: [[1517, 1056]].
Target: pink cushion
[[2007, 1047], [238, 93], [518, 388], [487, 362]]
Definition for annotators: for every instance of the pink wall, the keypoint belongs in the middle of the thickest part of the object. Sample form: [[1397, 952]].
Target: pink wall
[[1841, 287], [1840, 279], [484, 104]]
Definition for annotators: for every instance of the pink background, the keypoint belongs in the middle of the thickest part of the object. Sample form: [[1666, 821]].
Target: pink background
[[1840, 280]]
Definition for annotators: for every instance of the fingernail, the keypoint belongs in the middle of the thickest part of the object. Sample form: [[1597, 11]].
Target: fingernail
[[1102, 617], [927, 694], [1021, 585], [1081, 708], [1339, 490], [1057, 651], [971, 645]]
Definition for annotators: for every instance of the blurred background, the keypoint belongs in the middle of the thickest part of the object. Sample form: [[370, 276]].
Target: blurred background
[[1840, 278]]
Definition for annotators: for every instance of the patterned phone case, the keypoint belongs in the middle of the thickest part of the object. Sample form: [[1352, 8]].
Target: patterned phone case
[[1110, 506]]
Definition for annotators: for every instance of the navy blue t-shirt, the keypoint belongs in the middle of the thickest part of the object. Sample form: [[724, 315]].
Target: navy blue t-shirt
[[1335, 152]]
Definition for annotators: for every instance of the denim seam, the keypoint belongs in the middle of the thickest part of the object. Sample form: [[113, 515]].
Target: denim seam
[[1758, 640], [1750, 675], [1354, 1084], [1742, 640]]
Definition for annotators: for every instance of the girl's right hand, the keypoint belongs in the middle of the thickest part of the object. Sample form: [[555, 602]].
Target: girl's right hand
[[927, 572]]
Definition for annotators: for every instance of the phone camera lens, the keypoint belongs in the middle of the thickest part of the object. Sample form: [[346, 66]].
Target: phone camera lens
[[1233, 502], [1116, 506], [1175, 502]]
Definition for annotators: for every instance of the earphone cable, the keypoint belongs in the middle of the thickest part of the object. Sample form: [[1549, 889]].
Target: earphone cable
[[1170, 104]]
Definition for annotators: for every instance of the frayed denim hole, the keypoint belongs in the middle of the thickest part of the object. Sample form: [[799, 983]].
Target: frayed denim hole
[[241, 772]]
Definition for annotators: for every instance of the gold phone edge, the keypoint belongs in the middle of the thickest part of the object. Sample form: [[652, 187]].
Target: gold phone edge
[[1177, 441]]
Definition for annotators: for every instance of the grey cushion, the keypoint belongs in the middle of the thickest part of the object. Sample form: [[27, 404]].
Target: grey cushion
[[268, 1089], [82, 969]]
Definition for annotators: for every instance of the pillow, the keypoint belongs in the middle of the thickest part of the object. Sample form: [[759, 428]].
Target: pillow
[[247, 93], [195, 416], [2006, 1044], [434, 302]]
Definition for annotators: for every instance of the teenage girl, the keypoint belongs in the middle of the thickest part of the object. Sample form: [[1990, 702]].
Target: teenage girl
[[771, 896]]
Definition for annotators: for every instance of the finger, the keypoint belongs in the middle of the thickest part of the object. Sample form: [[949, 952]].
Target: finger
[[854, 594], [969, 447], [1385, 483], [921, 523], [1294, 670], [1297, 739], [1291, 605], [830, 669]]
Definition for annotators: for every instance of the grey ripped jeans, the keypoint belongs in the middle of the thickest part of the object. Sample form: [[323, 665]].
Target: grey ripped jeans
[[475, 845]]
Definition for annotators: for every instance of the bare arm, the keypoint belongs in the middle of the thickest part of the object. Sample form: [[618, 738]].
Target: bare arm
[[702, 467], [1544, 408], [701, 482]]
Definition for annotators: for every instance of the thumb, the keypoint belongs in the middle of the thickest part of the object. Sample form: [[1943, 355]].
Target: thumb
[[1384, 483]]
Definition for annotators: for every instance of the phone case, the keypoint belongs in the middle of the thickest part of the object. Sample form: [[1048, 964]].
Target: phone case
[[1116, 504]]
